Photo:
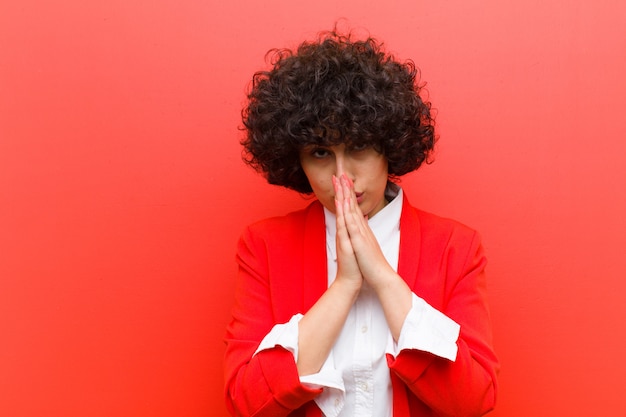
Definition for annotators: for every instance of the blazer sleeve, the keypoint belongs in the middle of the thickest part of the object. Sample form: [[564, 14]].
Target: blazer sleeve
[[266, 384], [467, 386]]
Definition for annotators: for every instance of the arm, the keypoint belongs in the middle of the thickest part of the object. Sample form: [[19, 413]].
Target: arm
[[265, 384], [260, 383], [392, 291], [467, 386], [320, 326]]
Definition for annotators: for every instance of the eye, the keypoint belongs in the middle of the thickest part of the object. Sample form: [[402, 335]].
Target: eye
[[359, 147], [319, 153]]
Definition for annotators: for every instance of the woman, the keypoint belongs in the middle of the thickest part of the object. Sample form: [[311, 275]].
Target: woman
[[359, 304]]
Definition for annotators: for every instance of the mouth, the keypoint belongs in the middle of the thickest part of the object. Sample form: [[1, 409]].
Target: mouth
[[359, 197]]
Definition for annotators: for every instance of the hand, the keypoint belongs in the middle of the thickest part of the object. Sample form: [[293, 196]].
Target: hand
[[347, 265], [362, 256], [356, 237]]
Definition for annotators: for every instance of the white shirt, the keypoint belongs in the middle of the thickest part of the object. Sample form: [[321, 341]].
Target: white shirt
[[355, 375]]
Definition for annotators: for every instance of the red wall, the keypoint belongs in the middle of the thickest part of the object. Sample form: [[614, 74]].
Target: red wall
[[122, 193]]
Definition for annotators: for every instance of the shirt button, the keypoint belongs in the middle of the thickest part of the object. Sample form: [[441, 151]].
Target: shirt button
[[364, 329], [365, 387], [336, 402]]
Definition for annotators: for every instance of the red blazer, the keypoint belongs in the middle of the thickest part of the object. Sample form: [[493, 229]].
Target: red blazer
[[282, 271]]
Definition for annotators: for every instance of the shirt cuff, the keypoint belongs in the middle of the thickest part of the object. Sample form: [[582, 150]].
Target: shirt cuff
[[427, 329], [284, 335], [332, 398]]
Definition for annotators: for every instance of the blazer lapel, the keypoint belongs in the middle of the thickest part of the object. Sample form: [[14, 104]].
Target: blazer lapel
[[410, 243], [314, 268]]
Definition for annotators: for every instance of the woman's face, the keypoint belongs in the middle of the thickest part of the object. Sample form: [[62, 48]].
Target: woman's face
[[365, 167]]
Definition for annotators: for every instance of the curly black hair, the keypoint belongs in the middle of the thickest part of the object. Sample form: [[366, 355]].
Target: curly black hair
[[330, 91]]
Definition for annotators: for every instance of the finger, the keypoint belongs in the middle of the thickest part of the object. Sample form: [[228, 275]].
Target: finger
[[342, 236], [355, 221], [347, 188], [351, 193], [339, 201], [338, 189], [347, 194], [340, 209]]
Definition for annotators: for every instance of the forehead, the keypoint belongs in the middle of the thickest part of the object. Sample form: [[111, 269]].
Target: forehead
[[332, 137]]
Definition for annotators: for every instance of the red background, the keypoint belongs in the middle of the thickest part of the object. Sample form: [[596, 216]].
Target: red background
[[122, 192]]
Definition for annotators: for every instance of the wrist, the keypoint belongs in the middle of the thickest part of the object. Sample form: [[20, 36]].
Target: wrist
[[348, 287], [386, 280]]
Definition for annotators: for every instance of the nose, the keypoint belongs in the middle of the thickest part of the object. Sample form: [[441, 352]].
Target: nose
[[340, 167], [342, 164]]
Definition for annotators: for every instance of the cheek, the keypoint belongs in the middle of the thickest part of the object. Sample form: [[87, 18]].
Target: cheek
[[380, 171], [321, 186], [325, 193]]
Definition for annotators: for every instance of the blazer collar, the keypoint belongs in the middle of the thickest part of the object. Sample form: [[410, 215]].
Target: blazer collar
[[410, 243], [315, 272]]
